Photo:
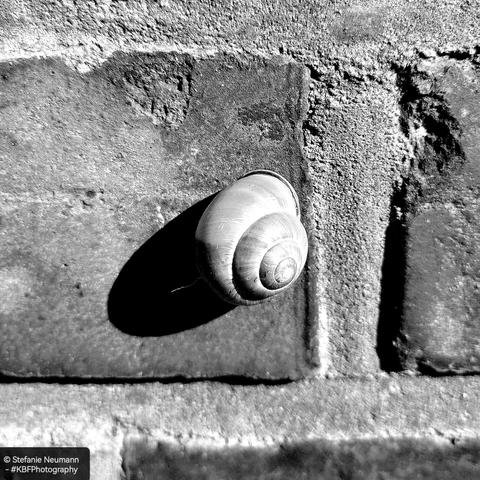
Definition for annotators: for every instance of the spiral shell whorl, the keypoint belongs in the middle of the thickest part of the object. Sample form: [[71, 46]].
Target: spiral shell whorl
[[250, 242], [265, 255], [277, 269]]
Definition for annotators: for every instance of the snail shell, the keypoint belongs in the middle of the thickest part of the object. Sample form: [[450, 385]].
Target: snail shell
[[250, 243]]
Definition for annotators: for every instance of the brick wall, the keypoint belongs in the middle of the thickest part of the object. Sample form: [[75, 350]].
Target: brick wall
[[120, 120]]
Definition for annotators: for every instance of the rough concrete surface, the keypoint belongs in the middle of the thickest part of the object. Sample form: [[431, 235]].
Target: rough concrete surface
[[86, 33], [369, 107]]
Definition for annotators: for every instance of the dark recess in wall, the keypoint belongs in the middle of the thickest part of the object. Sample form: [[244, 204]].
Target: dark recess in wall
[[392, 285]]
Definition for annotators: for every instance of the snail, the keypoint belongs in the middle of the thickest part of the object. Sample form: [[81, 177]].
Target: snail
[[250, 243]]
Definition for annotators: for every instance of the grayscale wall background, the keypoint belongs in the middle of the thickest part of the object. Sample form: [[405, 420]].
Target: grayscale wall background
[[119, 119]]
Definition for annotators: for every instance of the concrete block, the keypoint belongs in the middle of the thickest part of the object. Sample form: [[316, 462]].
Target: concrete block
[[93, 168], [421, 459]]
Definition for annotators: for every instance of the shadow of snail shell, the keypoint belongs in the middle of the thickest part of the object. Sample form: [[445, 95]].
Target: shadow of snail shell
[[250, 243]]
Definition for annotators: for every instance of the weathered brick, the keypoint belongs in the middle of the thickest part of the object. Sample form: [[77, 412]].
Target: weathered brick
[[95, 164], [441, 217]]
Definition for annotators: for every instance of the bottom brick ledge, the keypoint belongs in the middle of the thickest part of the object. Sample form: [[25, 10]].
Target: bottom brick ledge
[[133, 430]]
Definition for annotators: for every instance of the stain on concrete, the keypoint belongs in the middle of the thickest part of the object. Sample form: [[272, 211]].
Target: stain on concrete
[[268, 118], [156, 85]]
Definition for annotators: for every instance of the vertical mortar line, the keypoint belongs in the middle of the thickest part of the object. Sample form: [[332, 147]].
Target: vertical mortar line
[[317, 331]]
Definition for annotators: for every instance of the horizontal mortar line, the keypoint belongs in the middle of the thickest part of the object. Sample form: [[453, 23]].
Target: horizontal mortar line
[[303, 411], [141, 48], [75, 55], [131, 433]]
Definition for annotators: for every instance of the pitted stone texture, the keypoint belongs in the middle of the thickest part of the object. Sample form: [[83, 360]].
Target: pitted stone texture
[[391, 459], [440, 330], [92, 165]]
